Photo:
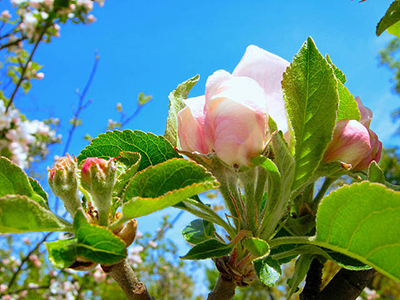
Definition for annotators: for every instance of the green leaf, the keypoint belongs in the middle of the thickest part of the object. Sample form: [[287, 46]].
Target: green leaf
[[198, 231], [61, 3], [268, 270], [338, 73], [257, 247], [348, 108], [14, 181], [164, 185], [97, 244], [153, 149], [360, 221], [175, 105], [375, 174], [286, 166], [38, 190], [62, 253], [19, 214], [395, 29], [301, 268], [208, 249], [132, 161], [391, 17], [310, 90]]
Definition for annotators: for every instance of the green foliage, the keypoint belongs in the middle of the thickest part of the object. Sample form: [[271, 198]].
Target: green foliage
[[14, 181], [208, 249], [310, 91], [375, 174], [19, 214], [198, 231], [350, 214], [300, 271], [153, 149], [267, 270], [175, 105], [164, 185], [391, 17], [62, 253], [257, 247]]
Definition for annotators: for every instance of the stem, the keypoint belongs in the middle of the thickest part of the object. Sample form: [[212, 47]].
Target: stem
[[260, 187], [123, 274], [223, 290], [131, 117], [248, 180], [226, 188], [290, 240], [324, 188], [346, 285], [313, 281], [46, 26]]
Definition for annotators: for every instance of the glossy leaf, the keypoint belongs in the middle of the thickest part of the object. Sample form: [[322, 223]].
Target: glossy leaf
[[62, 253], [153, 149], [131, 161], [257, 247], [164, 185], [208, 249], [391, 17], [20, 214], [175, 105], [360, 221], [310, 91], [97, 244], [267, 270], [14, 181], [375, 173], [198, 231]]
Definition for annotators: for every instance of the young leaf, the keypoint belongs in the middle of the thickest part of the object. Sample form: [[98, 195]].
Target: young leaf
[[338, 73], [267, 270], [62, 253], [97, 244], [19, 214], [391, 17], [132, 161], [175, 105], [301, 268], [38, 190], [164, 185], [375, 173], [14, 181], [360, 221], [257, 247], [348, 108], [198, 231], [208, 249], [310, 90], [153, 149]]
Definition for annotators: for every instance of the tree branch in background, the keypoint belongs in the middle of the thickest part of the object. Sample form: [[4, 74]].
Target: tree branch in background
[[224, 289], [23, 71], [313, 281]]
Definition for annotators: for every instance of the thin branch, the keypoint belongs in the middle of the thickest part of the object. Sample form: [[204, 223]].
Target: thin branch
[[81, 105], [132, 116], [123, 274], [25, 259], [46, 26], [313, 281], [39, 287], [12, 43]]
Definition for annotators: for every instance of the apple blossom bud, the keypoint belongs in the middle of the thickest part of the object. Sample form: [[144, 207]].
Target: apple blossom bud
[[98, 178], [64, 184], [191, 133], [236, 118], [91, 19], [40, 75], [354, 144], [5, 14]]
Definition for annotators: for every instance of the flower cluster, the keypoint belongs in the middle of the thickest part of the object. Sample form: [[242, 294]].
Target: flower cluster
[[231, 119], [23, 140]]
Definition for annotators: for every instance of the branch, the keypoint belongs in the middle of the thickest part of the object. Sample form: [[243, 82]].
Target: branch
[[313, 281], [12, 43], [14, 277], [46, 26], [346, 285], [39, 287], [123, 274], [223, 290]]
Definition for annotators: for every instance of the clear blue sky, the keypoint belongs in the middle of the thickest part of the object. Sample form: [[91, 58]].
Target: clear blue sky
[[152, 46]]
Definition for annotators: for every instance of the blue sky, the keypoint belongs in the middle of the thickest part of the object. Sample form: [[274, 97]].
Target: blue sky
[[152, 46]]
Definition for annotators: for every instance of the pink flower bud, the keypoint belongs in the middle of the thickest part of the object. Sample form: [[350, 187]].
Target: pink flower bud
[[354, 144], [64, 183], [91, 19], [5, 14], [191, 133], [40, 75], [236, 117]]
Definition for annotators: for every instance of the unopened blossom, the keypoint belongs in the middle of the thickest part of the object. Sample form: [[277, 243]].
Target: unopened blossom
[[5, 14], [231, 119], [40, 75], [91, 18], [353, 142]]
